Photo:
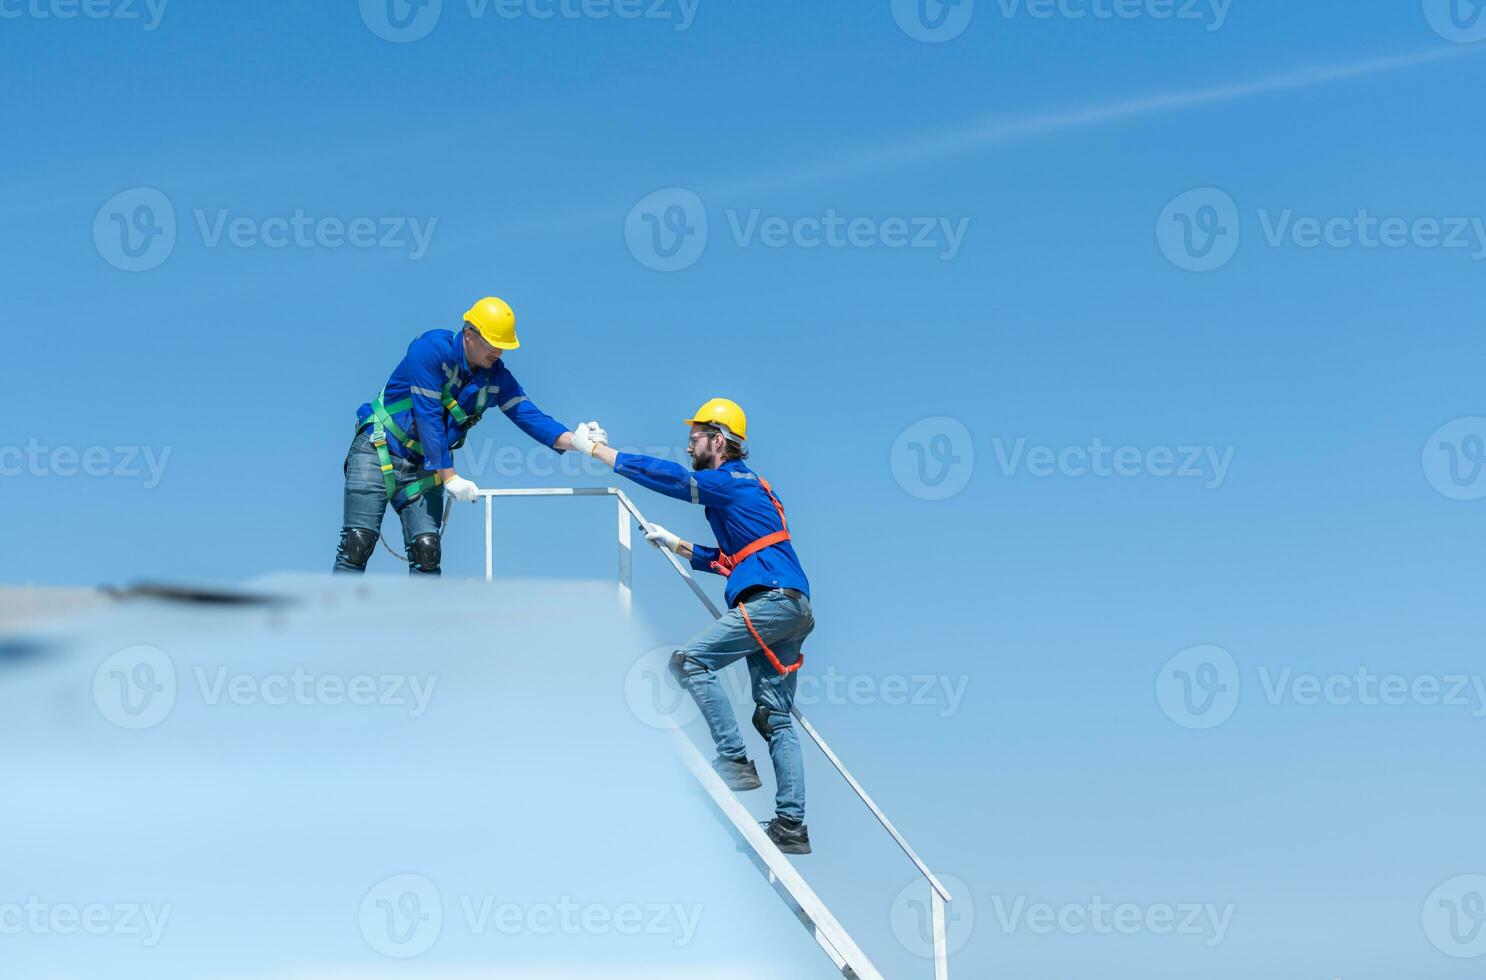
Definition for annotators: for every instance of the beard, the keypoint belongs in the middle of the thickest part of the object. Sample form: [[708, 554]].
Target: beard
[[704, 461]]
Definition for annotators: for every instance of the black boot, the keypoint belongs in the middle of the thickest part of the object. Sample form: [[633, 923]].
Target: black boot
[[790, 837], [739, 774]]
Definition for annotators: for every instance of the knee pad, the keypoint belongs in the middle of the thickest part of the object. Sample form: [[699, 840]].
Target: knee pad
[[425, 554], [357, 545], [763, 722]]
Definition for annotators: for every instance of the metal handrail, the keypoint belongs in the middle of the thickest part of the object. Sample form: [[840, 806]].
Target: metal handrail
[[627, 509]]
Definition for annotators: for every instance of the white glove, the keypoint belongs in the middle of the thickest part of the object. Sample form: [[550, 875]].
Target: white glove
[[461, 489], [662, 538], [589, 435]]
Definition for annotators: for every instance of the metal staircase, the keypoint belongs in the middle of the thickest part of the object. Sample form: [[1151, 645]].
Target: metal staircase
[[776, 868]]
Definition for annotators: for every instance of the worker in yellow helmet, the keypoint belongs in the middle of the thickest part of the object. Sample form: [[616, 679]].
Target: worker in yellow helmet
[[768, 599], [403, 451]]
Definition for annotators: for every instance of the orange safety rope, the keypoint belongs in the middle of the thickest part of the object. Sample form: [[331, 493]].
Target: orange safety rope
[[783, 670]]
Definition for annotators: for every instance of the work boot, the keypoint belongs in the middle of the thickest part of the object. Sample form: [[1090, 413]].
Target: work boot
[[788, 836], [739, 774]]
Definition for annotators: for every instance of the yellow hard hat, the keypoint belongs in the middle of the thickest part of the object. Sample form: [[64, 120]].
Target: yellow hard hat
[[721, 411], [496, 322]]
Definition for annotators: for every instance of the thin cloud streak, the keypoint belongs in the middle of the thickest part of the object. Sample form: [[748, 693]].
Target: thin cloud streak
[[994, 132]]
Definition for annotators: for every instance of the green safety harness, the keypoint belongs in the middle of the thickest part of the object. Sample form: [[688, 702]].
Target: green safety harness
[[382, 422]]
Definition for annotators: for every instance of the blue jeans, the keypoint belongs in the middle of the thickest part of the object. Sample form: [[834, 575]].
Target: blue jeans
[[783, 621], [366, 502]]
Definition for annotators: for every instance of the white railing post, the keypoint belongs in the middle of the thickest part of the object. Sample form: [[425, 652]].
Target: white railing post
[[626, 589], [941, 950], [489, 550]]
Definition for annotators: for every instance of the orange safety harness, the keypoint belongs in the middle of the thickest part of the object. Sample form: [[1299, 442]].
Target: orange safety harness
[[725, 564]]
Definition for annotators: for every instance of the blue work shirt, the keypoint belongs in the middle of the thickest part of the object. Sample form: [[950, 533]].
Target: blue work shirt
[[738, 509], [433, 360]]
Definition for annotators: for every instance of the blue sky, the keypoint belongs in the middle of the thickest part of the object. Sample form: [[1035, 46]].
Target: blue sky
[[1046, 161]]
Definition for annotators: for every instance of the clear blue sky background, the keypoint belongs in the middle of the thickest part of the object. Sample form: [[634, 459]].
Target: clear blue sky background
[[1060, 320]]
